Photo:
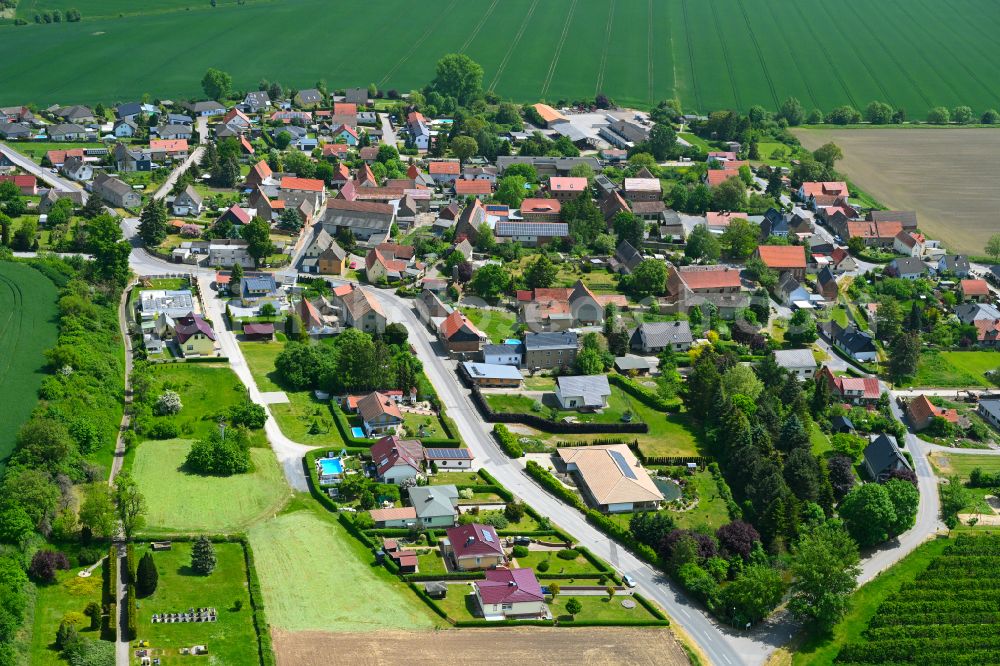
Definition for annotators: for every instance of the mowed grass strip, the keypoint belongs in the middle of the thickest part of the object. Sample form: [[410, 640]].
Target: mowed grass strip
[[180, 501], [231, 639], [316, 576], [28, 318]]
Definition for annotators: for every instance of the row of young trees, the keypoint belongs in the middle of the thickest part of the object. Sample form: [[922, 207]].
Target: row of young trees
[[792, 113]]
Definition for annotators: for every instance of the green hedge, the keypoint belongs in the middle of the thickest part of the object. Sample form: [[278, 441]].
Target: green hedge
[[734, 510], [131, 613], [457, 575], [427, 600], [109, 628], [130, 564], [643, 394], [264, 645], [344, 427], [109, 571], [550, 483], [651, 607], [508, 442]]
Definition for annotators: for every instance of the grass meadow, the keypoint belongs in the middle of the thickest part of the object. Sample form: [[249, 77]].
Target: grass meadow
[[231, 639], [179, 501], [956, 369], [27, 328], [711, 55], [69, 593], [315, 576]]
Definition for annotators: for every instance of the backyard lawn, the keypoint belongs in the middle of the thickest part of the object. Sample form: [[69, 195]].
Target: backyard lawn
[[69, 593], [956, 368], [557, 565], [179, 501], [172, 283], [315, 576], [431, 425], [431, 563], [498, 325], [207, 392], [962, 465], [457, 478], [231, 639], [598, 608], [710, 510]]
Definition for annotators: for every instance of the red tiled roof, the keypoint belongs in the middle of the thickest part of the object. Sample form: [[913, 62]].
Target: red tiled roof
[[390, 451], [782, 256], [21, 180], [474, 539], [723, 219], [828, 188], [258, 329], [709, 278], [235, 113], [376, 404], [509, 586], [465, 187], [567, 184], [59, 156], [262, 170], [455, 322], [190, 325], [541, 206], [444, 168], [246, 145], [547, 113], [241, 215], [975, 287], [335, 149], [168, 145], [719, 176], [344, 109], [393, 513], [344, 128], [921, 408], [302, 184]]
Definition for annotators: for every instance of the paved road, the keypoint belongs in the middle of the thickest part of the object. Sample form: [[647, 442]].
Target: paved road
[[388, 133], [122, 645], [168, 184], [43, 174]]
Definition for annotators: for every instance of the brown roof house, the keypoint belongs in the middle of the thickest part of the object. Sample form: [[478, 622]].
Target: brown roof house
[[921, 412], [397, 459], [379, 414], [510, 594], [473, 546], [611, 478], [556, 309], [784, 259], [459, 335]]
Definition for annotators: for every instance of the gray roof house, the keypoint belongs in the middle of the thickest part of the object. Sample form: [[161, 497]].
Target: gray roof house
[[583, 391], [971, 312], [308, 97], [116, 192], [800, 363], [256, 100], [908, 268], [75, 114], [205, 108], [654, 337], [990, 411], [187, 202], [14, 131], [66, 132], [858, 344], [882, 457], [356, 96], [550, 349], [626, 258], [955, 263], [435, 506]]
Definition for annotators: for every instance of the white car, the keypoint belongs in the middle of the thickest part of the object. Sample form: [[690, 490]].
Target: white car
[[628, 580]]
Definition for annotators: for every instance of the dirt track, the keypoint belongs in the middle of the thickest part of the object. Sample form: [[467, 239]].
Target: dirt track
[[949, 176], [569, 646]]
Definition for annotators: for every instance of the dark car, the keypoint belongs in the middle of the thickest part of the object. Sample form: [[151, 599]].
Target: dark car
[[522, 541]]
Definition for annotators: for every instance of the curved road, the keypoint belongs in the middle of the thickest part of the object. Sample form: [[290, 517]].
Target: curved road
[[722, 645]]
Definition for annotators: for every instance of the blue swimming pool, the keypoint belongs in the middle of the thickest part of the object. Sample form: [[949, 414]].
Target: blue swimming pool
[[357, 432], [512, 341], [331, 466]]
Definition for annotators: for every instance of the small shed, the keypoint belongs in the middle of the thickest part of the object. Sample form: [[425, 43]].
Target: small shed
[[258, 331], [841, 424], [436, 590], [628, 365]]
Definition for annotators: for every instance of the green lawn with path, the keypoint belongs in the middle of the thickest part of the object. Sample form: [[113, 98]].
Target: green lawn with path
[[179, 501], [316, 576], [231, 639], [557, 564], [69, 593], [599, 608]]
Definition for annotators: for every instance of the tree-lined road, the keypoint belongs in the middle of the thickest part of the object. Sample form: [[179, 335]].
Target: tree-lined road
[[54, 180]]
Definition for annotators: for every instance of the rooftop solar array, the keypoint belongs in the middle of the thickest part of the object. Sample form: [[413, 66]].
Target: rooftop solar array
[[623, 465]]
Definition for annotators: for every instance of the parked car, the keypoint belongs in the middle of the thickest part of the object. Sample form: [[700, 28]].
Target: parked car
[[522, 541]]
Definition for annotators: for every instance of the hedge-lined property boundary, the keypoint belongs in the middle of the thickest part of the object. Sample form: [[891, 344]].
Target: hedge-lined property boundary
[[643, 394], [554, 427], [344, 427]]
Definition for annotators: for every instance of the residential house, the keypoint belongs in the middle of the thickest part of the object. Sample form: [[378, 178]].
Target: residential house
[[858, 344], [970, 313], [489, 375], [907, 268], [53, 195], [397, 459], [258, 332], [369, 221], [784, 259], [909, 243], [955, 264], [15, 131], [332, 260], [816, 193], [792, 293], [258, 289], [174, 303], [873, 234], [125, 129], [546, 351], [626, 258], [319, 317], [26, 183], [540, 210], [800, 363], [472, 188], [436, 506], [260, 174], [643, 189], [611, 478], [510, 594], [852, 390], [694, 286], [444, 171], [976, 290], [228, 252], [653, 337], [379, 414], [431, 309], [388, 262], [179, 119], [797, 224], [256, 101], [345, 134], [567, 188], [508, 353], [116, 192], [841, 424], [76, 168], [66, 132], [235, 215], [989, 409], [447, 459], [309, 98], [882, 457], [719, 222], [921, 412], [716, 177], [420, 131], [459, 335], [907, 218], [611, 204], [356, 96], [164, 149], [188, 202], [473, 547], [206, 108], [842, 262], [16, 114], [488, 173], [583, 392], [237, 121], [826, 284], [394, 517], [194, 336], [623, 133], [131, 159], [561, 308], [546, 167], [359, 309], [75, 114]]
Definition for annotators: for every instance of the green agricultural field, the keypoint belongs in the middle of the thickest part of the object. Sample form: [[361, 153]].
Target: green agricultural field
[[183, 502], [27, 328], [315, 576], [231, 639], [711, 54], [69, 593]]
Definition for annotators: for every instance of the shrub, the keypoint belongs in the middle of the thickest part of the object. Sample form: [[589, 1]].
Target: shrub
[[543, 566], [168, 403], [573, 606], [203, 556], [514, 511], [163, 430], [567, 554], [248, 414], [465, 493], [494, 518], [508, 442], [520, 551], [45, 563]]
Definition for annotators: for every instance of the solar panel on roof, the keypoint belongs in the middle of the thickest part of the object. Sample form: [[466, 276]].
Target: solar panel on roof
[[487, 536], [623, 465]]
